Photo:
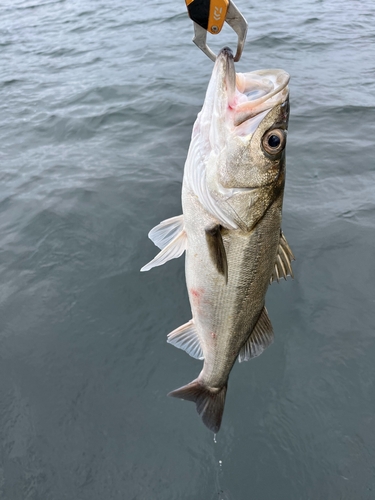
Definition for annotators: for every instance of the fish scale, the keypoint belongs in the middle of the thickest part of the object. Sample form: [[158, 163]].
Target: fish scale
[[236, 305]]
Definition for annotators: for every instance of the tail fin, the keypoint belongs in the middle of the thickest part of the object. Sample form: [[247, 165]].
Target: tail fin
[[210, 401]]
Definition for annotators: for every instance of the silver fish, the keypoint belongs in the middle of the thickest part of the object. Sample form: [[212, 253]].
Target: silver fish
[[232, 198]]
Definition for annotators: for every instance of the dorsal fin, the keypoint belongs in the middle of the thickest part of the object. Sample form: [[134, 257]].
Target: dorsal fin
[[186, 337], [217, 250], [261, 337], [283, 264]]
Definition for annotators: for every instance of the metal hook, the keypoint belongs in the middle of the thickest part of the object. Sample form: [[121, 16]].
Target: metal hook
[[236, 21]]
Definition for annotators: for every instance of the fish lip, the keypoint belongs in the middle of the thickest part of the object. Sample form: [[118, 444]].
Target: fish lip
[[233, 89], [226, 52], [246, 110], [225, 59]]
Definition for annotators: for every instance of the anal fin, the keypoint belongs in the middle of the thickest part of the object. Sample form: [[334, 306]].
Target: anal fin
[[260, 338], [283, 264], [217, 250], [186, 337]]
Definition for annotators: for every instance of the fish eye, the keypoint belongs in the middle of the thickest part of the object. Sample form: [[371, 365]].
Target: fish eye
[[273, 141]]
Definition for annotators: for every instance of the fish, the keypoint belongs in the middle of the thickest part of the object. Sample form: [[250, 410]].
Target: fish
[[230, 228]]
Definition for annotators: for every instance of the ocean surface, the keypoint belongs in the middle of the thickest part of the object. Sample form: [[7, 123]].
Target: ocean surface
[[97, 103]]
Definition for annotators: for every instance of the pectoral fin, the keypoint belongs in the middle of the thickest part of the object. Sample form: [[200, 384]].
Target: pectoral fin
[[166, 231], [171, 237], [186, 337], [173, 250], [283, 264], [217, 250], [261, 337]]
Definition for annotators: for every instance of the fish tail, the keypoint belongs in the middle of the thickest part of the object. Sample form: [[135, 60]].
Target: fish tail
[[209, 401]]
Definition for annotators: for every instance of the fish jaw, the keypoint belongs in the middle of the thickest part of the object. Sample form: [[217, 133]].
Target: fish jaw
[[239, 99]]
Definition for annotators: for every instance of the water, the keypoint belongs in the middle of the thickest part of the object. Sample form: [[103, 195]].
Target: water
[[97, 102]]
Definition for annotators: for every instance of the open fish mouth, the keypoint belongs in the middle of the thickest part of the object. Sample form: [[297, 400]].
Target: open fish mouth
[[248, 95]]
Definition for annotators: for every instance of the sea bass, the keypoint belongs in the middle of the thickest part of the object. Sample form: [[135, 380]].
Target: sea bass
[[232, 197]]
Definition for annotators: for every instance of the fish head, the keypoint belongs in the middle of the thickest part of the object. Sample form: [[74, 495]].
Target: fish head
[[243, 130]]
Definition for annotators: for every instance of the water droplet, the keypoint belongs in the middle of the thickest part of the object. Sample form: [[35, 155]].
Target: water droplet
[[215, 438]]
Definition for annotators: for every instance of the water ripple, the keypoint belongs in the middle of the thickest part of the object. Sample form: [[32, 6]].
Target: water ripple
[[97, 103]]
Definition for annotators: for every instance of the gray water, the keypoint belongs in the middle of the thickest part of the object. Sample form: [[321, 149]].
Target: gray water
[[97, 102]]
